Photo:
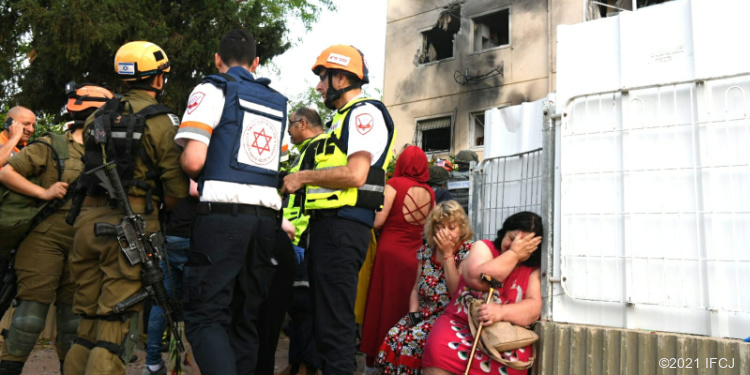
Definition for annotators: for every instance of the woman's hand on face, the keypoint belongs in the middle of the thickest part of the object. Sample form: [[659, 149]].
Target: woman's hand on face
[[524, 245], [445, 242], [490, 313]]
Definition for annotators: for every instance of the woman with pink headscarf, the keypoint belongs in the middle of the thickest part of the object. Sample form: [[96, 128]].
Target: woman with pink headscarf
[[408, 202]]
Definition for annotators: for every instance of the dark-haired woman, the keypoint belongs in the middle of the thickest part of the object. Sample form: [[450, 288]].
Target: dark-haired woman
[[514, 258]]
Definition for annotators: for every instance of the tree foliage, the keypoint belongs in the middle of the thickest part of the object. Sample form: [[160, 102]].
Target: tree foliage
[[312, 99], [46, 43]]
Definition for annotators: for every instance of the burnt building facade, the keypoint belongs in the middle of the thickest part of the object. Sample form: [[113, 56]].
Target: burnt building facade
[[447, 62]]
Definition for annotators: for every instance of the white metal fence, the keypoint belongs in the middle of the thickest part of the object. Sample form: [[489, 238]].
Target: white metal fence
[[502, 186], [655, 195]]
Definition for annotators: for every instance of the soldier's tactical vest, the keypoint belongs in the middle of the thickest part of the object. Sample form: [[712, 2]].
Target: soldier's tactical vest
[[120, 131], [332, 153], [294, 211], [246, 144]]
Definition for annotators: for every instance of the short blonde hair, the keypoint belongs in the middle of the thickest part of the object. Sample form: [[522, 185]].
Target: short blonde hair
[[447, 212]]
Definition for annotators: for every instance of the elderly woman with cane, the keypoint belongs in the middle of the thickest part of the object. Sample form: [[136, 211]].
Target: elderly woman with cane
[[512, 258]]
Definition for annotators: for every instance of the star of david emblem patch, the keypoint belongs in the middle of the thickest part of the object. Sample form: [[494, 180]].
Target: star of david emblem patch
[[260, 142], [261, 136]]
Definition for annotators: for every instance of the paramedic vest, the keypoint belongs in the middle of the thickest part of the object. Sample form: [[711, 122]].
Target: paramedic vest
[[246, 144], [293, 210], [333, 153]]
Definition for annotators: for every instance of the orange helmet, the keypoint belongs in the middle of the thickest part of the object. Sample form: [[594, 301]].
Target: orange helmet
[[345, 58], [85, 96], [445, 164]]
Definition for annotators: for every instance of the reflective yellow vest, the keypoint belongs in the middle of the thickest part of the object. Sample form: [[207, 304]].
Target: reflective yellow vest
[[293, 210], [332, 153]]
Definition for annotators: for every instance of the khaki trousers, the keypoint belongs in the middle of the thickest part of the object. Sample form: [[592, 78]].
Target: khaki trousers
[[42, 269], [103, 278]]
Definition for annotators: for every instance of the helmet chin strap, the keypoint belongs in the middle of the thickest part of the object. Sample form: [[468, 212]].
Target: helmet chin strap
[[143, 86], [333, 95]]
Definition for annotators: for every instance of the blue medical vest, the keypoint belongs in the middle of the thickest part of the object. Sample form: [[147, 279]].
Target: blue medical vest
[[245, 146]]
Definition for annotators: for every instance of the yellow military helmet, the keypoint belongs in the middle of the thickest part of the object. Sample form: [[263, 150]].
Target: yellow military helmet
[[138, 60]]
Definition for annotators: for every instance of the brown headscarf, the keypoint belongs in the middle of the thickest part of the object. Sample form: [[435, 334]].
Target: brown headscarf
[[412, 164]]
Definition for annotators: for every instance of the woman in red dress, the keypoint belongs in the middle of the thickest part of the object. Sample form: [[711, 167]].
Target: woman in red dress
[[513, 258], [408, 202]]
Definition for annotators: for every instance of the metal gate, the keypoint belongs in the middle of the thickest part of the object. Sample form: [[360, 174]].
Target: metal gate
[[502, 186]]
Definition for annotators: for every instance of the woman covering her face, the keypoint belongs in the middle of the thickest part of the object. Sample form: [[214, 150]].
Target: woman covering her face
[[448, 234], [514, 258]]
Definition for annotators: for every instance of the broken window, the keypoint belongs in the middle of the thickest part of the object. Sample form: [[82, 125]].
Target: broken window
[[434, 135], [608, 8], [477, 123], [437, 42], [492, 30]]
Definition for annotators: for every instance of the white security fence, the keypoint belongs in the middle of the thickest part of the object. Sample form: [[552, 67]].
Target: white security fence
[[651, 228], [661, 215], [501, 186], [654, 207], [643, 179]]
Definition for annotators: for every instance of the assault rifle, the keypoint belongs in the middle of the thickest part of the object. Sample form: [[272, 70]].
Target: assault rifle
[[8, 281], [138, 248]]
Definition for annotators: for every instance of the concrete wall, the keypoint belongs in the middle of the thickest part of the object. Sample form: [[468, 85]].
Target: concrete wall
[[413, 92]]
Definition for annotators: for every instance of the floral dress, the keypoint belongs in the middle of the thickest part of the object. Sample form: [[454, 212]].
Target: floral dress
[[451, 340], [401, 351]]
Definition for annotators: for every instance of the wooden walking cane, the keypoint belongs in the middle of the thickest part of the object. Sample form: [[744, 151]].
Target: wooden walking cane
[[494, 284]]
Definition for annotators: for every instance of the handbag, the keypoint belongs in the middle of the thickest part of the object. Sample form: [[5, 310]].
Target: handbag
[[502, 336]]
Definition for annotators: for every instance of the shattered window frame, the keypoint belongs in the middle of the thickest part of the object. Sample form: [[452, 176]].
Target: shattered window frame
[[473, 120], [433, 132], [596, 9], [423, 58], [484, 15], [433, 39]]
